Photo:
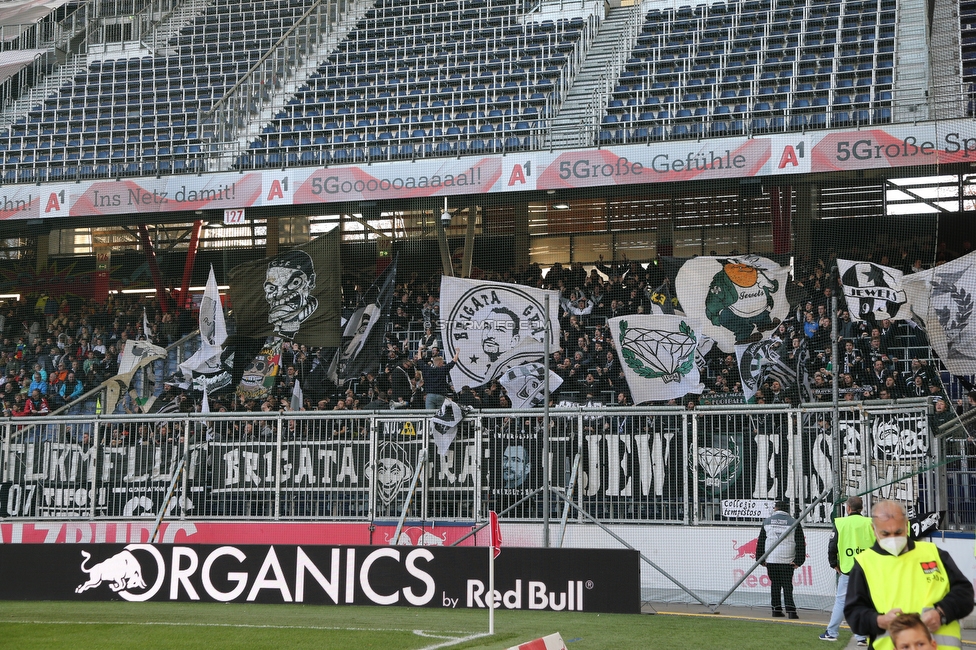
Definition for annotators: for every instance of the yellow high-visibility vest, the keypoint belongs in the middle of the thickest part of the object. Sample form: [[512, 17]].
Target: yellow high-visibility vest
[[854, 536], [913, 581]]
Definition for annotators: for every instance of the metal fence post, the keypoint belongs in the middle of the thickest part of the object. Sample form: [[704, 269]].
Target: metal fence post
[[277, 466], [93, 479], [694, 467]]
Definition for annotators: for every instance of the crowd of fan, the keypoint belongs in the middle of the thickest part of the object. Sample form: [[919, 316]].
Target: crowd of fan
[[52, 353], [587, 362]]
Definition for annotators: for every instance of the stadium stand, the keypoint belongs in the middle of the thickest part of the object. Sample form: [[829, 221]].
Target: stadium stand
[[421, 79], [452, 78], [223, 85], [754, 67]]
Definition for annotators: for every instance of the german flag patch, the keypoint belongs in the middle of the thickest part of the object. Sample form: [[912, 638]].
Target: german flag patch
[[929, 567]]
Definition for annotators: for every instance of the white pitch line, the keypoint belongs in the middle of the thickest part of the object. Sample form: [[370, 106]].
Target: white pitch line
[[241, 625], [451, 642]]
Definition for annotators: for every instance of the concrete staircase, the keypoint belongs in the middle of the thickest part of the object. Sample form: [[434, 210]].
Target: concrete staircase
[[174, 22], [949, 98], [61, 76], [296, 78], [911, 82], [578, 121]]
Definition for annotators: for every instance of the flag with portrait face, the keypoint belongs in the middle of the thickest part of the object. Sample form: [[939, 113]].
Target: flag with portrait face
[[493, 326], [295, 295], [873, 291], [657, 353]]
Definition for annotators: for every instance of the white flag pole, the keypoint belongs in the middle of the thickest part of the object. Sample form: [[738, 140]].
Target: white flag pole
[[491, 584]]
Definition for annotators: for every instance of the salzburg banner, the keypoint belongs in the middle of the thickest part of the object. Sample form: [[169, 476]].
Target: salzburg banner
[[906, 145]]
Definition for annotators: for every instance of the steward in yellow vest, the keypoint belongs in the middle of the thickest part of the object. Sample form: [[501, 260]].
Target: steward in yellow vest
[[898, 575], [854, 535]]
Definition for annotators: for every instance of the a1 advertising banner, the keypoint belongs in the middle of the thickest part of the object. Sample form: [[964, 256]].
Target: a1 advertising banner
[[931, 143], [579, 580]]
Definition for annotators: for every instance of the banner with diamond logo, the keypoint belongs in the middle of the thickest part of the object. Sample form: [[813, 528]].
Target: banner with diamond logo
[[657, 353]]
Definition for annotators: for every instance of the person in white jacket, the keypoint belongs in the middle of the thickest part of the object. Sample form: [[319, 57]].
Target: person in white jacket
[[784, 558]]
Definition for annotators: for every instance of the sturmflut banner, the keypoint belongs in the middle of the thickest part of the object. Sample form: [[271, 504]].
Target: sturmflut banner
[[638, 466], [66, 479]]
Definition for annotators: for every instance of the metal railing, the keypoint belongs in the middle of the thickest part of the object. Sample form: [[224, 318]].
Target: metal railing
[[638, 465]]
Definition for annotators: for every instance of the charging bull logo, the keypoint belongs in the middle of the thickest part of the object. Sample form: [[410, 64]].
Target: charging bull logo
[[122, 570], [746, 549], [418, 537]]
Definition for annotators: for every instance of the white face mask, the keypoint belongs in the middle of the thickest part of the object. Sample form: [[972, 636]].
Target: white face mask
[[894, 545]]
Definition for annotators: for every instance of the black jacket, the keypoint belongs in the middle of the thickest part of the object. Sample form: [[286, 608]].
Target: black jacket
[[401, 379]]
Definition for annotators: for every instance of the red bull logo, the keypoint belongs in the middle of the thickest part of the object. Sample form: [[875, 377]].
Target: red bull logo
[[121, 571], [746, 549]]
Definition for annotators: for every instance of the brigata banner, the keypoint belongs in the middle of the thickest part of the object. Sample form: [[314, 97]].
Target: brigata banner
[[578, 580], [903, 145]]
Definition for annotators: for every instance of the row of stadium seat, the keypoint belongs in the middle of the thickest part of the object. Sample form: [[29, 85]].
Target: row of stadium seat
[[662, 127], [503, 82], [443, 76], [967, 38]]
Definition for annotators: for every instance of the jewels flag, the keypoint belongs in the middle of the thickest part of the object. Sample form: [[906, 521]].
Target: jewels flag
[[734, 300], [657, 353]]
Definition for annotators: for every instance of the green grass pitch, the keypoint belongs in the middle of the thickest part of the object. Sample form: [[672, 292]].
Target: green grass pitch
[[121, 625]]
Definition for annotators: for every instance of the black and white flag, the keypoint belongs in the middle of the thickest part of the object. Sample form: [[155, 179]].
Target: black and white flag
[[526, 387], [362, 338], [444, 425], [213, 333], [493, 327], [295, 295], [873, 291], [944, 298]]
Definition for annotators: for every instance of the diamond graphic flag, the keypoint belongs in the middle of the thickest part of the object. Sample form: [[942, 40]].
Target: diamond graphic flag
[[493, 326], [734, 299], [873, 291], [658, 356], [944, 298]]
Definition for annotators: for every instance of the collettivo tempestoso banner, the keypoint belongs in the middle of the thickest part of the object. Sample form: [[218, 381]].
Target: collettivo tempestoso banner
[[897, 145], [579, 580]]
